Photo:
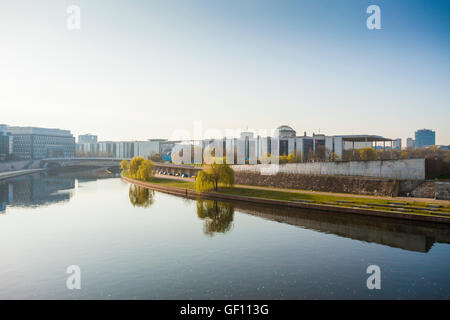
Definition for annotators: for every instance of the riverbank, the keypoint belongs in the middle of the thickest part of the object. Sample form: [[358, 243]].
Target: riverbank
[[419, 211], [17, 173]]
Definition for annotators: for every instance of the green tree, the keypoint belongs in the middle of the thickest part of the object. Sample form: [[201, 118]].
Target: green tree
[[292, 158], [124, 165], [213, 176], [134, 166], [405, 155], [145, 170], [368, 154], [203, 182], [283, 159]]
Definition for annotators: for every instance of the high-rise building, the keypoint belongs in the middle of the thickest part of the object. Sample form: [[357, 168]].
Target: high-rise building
[[87, 138], [425, 137], [410, 143], [31, 143]]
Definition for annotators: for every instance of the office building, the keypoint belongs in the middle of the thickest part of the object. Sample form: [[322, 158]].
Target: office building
[[31, 143], [125, 149], [425, 138], [307, 148]]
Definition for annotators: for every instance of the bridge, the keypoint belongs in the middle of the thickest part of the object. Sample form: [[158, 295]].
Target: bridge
[[113, 164]]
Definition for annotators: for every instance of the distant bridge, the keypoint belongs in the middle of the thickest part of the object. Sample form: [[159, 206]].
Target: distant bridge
[[114, 164]]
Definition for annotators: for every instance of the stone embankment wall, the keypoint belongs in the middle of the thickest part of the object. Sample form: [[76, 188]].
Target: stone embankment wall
[[426, 189], [348, 184], [340, 184], [409, 169], [442, 190], [6, 166]]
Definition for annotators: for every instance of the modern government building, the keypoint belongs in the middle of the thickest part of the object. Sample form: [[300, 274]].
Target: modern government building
[[288, 142], [251, 147], [32, 143]]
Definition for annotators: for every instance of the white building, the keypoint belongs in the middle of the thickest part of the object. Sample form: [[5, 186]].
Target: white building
[[123, 149]]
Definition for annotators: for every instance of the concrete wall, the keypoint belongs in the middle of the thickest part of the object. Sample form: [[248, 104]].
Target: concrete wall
[[327, 183], [409, 169], [19, 165]]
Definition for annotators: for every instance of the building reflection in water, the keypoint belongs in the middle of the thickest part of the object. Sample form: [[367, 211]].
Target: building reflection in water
[[404, 234], [140, 196], [35, 190], [217, 216], [409, 235], [45, 188]]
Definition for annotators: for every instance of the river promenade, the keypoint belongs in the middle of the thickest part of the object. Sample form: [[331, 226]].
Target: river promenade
[[431, 213]]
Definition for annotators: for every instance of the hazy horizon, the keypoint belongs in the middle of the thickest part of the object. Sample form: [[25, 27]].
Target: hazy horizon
[[141, 69]]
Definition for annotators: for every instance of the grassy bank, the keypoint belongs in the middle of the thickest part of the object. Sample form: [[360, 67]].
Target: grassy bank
[[409, 207]]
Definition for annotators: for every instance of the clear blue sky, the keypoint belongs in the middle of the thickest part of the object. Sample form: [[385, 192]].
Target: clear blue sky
[[142, 69]]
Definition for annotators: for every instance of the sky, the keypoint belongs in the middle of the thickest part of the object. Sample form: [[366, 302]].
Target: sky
[[148, 69]]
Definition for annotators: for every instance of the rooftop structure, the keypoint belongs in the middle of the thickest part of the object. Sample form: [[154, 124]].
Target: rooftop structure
[[87, 138], [285, 131]]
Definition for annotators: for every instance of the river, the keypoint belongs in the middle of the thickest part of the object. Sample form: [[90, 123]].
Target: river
[[134, 243]]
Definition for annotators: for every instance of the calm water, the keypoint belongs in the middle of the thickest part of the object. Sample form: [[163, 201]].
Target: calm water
[[131, 243]]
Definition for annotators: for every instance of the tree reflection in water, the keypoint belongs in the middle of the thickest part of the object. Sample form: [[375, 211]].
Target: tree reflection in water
[[140, 196], [217, 216]]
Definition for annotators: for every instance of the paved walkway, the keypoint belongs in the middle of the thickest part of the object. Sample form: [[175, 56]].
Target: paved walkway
[[348, 195]]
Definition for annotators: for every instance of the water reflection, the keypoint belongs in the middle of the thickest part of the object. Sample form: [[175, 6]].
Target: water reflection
[[263, 252], [409, 235], [44, 188], [404, 234], [140, 196], [217, 216], [35, 190]]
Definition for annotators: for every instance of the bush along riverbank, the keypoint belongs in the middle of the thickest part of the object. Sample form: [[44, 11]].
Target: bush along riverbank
[[329, 203]]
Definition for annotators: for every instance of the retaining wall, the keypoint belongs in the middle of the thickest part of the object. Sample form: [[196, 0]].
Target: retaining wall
[[339, 184], [19, 165], [408, 169], [442, 190]]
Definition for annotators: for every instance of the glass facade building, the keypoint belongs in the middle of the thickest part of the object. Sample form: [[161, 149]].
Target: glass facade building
[[425, 137], [30, 143]]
